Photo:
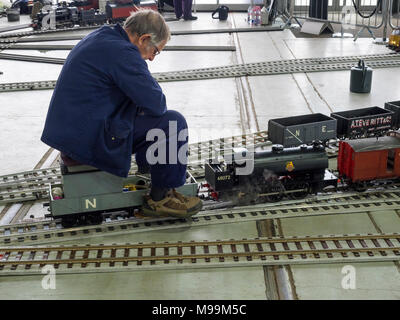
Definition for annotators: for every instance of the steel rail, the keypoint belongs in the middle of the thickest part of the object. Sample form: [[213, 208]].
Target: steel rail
[[296, 62], [272, 71], [250, 69], [51, 231], [49, 47], [22, 210], [231, 68], [41, 39], [174, 33], [227, 30], [27, 86], [45, 224], [31, 33], [201, 254], [15, 27], [20, 57], [140, 245]]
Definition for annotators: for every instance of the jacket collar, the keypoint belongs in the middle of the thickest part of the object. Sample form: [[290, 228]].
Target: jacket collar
[[121, 30], [124, 35]]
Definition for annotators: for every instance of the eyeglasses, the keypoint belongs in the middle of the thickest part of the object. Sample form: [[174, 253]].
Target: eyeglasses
[[156, 51]]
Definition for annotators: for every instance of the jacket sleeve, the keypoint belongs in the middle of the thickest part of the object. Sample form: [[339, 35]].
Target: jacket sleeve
[[131, 75]]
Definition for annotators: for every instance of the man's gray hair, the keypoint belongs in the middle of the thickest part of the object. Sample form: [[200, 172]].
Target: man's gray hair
[[148, 21]]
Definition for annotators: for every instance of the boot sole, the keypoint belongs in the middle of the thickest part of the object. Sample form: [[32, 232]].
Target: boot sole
[[191, 212]]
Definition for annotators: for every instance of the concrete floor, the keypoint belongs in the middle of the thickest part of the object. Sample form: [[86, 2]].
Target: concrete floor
[[215, 108]]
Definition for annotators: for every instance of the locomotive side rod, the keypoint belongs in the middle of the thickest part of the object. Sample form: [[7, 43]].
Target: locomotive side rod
[[52, 232], [202, 254]]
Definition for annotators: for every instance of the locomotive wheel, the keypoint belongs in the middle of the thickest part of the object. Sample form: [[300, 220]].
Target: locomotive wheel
[[276, 187], [244, 199], [300, 194]]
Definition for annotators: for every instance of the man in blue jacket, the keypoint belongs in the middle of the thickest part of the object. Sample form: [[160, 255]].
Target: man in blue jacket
[[105, 103]]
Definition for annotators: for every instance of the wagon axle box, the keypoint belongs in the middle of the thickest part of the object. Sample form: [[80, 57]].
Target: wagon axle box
[[304, 129], [363, 122]]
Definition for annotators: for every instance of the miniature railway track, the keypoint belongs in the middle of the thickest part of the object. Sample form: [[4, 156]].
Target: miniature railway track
[[23, 209], [26, 86], [174, 33], [50, 231], [15, 27], [20, 57], [41, 39], [201, 254], [38, 32], [33, 185], [239, 70]]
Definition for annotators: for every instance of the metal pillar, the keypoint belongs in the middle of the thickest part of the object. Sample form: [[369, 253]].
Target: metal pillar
[[318, 9], [385, 18]]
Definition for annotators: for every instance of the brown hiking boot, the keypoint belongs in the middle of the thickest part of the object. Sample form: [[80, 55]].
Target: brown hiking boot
[[173, 205]]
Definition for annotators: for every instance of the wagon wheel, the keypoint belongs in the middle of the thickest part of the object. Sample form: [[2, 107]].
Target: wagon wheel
[[94, 218], [69, 221], [360, 186], [303, 186]]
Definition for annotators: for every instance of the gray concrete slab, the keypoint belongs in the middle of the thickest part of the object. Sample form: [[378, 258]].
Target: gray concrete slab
[[335, 88], [209, 115], [333, 47], [22, 120], [167, 285], [387, 222], [378, 281]]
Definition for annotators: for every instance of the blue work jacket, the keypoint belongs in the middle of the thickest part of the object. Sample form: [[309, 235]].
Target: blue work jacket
[[103, 83]]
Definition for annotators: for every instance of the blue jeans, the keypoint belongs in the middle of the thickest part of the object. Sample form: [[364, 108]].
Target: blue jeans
[[167, 175]]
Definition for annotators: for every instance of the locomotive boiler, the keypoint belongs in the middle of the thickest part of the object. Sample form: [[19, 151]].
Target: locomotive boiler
[[294, 172]]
